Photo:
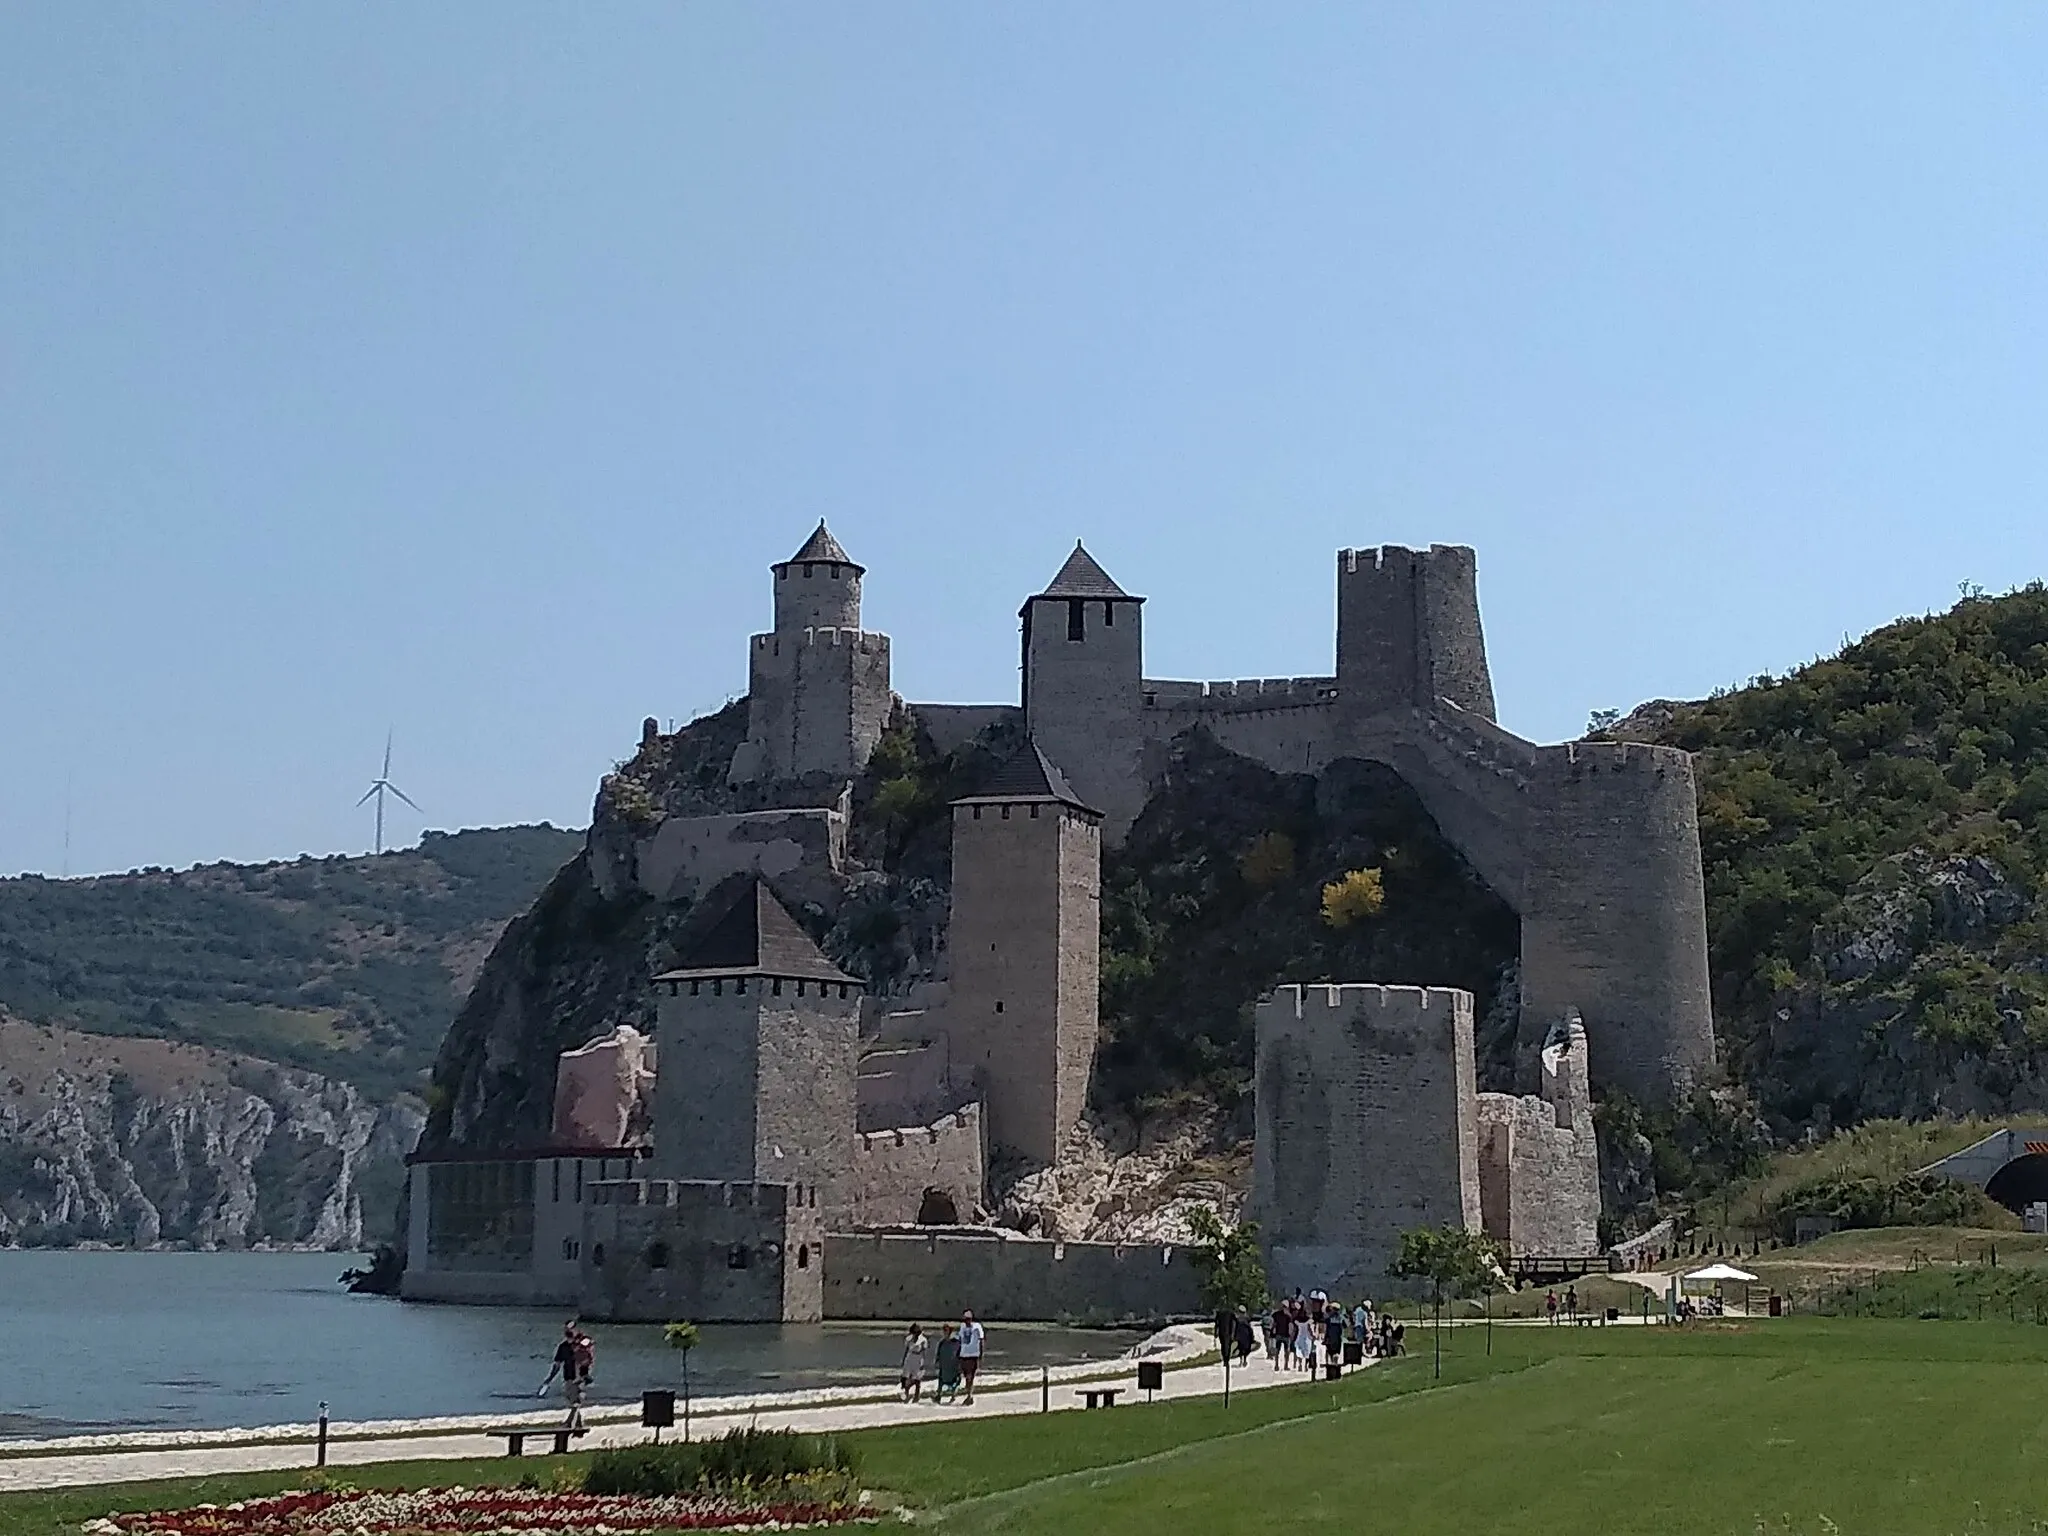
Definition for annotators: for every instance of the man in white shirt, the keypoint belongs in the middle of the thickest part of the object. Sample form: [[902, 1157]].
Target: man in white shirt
[[970, 1353]]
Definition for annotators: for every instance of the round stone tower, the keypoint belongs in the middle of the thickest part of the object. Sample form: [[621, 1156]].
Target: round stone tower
[[818, 587]]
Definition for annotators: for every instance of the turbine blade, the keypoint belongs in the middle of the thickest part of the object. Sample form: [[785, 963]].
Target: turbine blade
[[369, 792], [387, 754], [408, 799]]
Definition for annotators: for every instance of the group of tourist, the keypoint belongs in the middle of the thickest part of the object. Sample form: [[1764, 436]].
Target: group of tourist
[[955, 1360], [1307, 1331]]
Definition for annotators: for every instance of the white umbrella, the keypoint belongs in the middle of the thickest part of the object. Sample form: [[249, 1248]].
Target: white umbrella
[[1717, 1272]]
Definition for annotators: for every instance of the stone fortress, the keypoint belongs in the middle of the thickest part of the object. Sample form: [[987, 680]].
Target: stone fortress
[[811, 1149]]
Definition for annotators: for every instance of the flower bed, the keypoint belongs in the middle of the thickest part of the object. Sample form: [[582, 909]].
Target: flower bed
[[512, 1511]]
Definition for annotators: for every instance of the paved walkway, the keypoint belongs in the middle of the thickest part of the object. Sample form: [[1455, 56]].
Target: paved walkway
[[98, 1459]]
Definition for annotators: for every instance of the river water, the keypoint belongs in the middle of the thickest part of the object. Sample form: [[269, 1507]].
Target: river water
[[115, 1341]]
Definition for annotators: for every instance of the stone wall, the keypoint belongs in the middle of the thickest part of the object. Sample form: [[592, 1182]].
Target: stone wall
[[953, 726], [896, 1169], [1365, 1128], [905, 1083], [817, 702], [655, 1250], [1408, 629], [802, 851], [1023, 949], [930, 1276]]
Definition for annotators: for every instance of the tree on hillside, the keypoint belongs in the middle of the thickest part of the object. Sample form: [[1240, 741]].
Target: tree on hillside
[[1453, 1261]]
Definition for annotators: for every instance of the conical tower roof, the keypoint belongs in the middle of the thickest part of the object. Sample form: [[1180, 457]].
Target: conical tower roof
[[1027, 775], [1082, 577], [754, 935], [822, 548]]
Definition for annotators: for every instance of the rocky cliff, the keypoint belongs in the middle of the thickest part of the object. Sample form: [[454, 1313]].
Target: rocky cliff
[[144, 1141]]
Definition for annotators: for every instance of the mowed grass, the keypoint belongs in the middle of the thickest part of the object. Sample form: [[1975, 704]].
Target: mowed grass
[[1806, 1425]]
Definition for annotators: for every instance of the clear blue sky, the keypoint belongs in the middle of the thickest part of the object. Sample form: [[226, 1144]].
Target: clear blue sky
[[460, 368]]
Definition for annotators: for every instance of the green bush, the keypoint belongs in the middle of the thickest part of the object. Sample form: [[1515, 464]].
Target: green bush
[[1909, 1200], [743, 1458]]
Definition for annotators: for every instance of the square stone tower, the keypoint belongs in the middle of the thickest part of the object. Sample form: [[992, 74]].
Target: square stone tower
[[758, 1038], [1365, 1127], [1084, 689], [1025, 948]]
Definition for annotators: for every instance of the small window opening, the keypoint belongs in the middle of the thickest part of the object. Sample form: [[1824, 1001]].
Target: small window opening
[[657, 1255], [999, 1005], [736, 1256], [597, 1255], [1076, 620], [807, 571], [570, 1247], [1109, 615], [778, 987], [803, 1255]]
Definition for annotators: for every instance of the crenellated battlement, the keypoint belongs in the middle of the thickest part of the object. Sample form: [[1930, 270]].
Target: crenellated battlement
[[1300, 1000], [1386, 558], [963, 1121], [704, 1194], [1584, 762], [1240, 695], [823, 637]]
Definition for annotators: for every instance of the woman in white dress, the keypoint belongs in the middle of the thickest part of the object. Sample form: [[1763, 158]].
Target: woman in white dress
[[914, 1343]]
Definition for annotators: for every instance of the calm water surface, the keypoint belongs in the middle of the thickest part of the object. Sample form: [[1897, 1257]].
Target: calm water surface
[[106, 1341]]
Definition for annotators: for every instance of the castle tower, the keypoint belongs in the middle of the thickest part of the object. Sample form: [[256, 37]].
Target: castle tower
[[1025, 948], [1084, 660], [1408, 630], [758, 1037], [1539, 1156], [1365, 1127], [818, 695]]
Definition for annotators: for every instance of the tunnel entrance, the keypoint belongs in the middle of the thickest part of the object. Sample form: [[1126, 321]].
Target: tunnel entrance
[[2020, 1182]]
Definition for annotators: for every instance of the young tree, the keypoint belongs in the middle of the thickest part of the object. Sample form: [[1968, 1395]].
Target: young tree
[[1454, 1261], [1232, 1271], [684, 1337]]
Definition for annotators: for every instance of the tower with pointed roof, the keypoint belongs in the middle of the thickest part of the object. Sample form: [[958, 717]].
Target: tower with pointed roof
[[758, 1039], [1084, 662], [818, 694], [1024, 950]]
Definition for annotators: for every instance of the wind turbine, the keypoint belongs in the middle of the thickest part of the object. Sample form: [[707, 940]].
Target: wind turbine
[[382, 787]]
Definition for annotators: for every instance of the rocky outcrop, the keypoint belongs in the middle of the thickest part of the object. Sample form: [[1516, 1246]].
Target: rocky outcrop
[[1120, 1181], [144, 1142]]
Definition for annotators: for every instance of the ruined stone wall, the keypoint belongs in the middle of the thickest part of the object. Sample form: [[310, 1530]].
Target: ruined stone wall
[[1365, 1127], [930, 1275], [1539, 1160], [757, 1082], [894, 1169], [953, 726], [802, 851], [1083, 699], [659, 1249], [1023, 950], [906, 1083]]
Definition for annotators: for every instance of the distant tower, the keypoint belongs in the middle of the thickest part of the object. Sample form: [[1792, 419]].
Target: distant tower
[[818, 695], [1025, 950], [758, 1041], [1084, 698], [1408, 630]]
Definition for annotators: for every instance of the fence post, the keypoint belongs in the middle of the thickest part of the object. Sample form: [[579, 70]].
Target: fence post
[[1044, 1389], [320, 1452]]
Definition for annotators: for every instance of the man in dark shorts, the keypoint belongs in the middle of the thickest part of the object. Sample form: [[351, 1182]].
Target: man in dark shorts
[[569, 1366], [970, 1354]]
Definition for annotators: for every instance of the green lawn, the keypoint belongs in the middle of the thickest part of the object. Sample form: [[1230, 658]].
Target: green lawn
[[1810, 1424]]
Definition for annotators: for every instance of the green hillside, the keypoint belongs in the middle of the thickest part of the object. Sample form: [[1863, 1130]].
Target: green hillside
[[350, 966], [1875, 833]]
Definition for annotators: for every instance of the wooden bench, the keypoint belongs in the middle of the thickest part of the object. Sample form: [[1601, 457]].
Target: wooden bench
[[1098, 1397], [515, 1440]]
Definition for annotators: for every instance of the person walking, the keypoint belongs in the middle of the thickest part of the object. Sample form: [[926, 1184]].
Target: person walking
[[570, 1364], [1244, 1337], [1550, 1307], [1571, 1302], [1333, 1334], [1279, 1338], [971, 1342], [946, 1359], [914, 1346]]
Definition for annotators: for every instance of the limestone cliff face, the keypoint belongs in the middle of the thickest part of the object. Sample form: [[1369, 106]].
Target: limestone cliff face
[[143, 1142]]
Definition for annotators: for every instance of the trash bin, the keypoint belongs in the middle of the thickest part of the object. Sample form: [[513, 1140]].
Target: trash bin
[[1354, 1353], [1614, 1314], [1332, 1370], [657, 1409], [1151, 1375]]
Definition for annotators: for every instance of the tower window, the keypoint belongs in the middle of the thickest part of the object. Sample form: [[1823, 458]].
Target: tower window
[[736, 1256], [999, 1005], [1034, 813], [1076, 620], [657, 1255], [778, 986], [803, 1255], [1109, 615], [835, 573], [807, 571]]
